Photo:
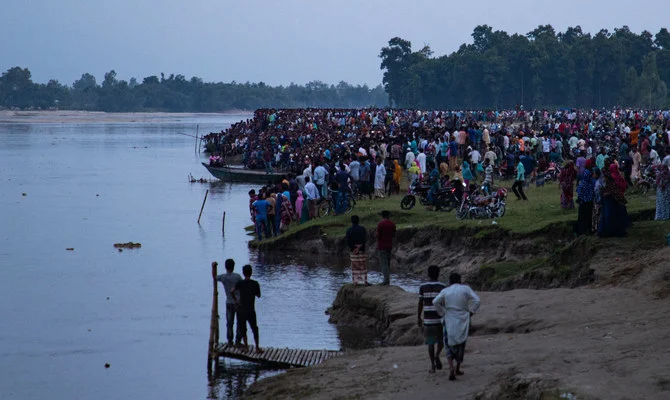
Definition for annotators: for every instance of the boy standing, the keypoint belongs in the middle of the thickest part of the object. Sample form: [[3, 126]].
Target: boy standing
[[229, 280], [245, 294]]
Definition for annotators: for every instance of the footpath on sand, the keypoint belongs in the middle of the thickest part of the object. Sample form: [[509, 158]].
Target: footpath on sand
[[595, 342]]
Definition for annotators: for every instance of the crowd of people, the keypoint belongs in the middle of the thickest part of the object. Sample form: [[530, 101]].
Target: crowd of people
[[334, 153]]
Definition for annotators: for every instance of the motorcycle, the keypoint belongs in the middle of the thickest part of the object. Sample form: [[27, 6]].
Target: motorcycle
[[647, 181], [444, 199], [477, 205]]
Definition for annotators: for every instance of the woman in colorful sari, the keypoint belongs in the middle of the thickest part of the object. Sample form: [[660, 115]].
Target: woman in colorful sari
[[278, 207], [566, 178], [467, 173], [287, 214], [614, 218], [663, 193], [397, 173], [597, 198], [300, 206], [585, 194]]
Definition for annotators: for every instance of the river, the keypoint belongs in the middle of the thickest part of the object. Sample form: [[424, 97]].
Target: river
[[145, 312]]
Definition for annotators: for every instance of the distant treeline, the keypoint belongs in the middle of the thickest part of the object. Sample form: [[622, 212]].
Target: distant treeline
[[540, 69], [175, 93]]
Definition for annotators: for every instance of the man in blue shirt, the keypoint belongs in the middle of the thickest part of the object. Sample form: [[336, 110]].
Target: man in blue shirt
[[261, 207]]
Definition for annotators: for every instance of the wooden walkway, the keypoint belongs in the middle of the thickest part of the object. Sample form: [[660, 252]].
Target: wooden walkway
[[277, 357]]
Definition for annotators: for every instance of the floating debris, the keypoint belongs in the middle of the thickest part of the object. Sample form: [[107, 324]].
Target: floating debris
[[107, 365], [70, 249], [23, 194], [120, 250], [129, 245]]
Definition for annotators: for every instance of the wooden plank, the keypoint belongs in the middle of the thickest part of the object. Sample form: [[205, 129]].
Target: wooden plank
[[275, 355], [294, 357], [301, 355], [291, 356], [268, 354], [284, 354], [305, 357]]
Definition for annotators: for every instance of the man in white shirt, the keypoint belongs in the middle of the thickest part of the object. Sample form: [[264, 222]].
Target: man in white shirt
[[421, 159], [457, 303], [312, 193]]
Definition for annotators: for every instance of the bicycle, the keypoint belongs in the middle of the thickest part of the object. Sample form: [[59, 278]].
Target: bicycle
[[326, 206]]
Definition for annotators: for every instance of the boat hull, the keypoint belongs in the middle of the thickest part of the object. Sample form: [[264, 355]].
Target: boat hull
[[242, 175]]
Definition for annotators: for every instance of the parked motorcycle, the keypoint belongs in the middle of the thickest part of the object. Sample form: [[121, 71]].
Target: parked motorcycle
[[647, 181], [477, 205], [444, 199]]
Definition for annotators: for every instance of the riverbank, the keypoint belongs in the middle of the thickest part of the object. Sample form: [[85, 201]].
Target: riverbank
[[592, 342], [532, 246], [598, 329]]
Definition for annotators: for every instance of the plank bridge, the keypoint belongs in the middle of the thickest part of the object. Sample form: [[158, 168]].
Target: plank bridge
[[282, 358]]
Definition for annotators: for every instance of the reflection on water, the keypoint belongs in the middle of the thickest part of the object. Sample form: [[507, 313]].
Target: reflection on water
[[232, 378], [144, 311]]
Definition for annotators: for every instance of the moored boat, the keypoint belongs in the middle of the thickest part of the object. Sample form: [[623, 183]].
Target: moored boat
[[237, 173]]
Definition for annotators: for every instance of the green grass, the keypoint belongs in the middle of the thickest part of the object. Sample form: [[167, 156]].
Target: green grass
[[541, 211]]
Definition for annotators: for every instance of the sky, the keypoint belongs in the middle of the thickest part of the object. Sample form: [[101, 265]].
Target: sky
[[277, 42]]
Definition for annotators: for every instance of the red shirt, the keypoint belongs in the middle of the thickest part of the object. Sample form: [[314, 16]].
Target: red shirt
[[385, 234]]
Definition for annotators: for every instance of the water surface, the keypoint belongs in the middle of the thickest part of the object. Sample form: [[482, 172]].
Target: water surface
[[146, 312]]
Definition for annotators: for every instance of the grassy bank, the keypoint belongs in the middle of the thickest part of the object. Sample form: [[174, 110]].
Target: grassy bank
[[540, 212]]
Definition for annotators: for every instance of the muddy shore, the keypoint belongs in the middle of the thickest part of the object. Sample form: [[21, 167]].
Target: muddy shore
[[560, 317], [593, 342]]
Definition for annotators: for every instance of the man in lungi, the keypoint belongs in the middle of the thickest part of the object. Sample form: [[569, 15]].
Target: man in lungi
[[457, 303], [356, 238], [432, 324]]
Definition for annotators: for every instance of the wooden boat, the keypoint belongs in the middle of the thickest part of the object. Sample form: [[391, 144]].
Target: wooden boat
[[237, 173]]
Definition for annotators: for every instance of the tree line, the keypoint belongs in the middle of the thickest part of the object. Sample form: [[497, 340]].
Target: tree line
[[542, 69], [175, 93]]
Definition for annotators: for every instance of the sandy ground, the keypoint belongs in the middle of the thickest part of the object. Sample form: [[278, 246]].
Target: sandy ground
[[598, 342], [66, 116]]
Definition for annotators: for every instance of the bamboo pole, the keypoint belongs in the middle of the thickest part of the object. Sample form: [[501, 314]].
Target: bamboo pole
[[212, 356], [197, 129], [223, 224], [195, 149], [211, 353], [203, 205]]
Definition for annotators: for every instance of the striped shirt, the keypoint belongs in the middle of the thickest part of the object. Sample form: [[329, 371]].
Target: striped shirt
[[427, 292]]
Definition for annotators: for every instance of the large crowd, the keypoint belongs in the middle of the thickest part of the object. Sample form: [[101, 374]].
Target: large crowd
[[601, 153]]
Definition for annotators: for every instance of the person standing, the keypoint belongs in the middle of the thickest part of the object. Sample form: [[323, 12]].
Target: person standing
[[585, 196], [245, 293], [386, 230], [432, 324], [517, 186], [229, 280], [261, 207], [457, 303], [380, 176], [356, 237], [312, 197], [566, 178]]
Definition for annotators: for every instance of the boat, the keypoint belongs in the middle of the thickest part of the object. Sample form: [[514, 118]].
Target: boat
[[237, 173]]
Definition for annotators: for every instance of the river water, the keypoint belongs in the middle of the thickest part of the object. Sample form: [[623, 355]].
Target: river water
[[145, 312]]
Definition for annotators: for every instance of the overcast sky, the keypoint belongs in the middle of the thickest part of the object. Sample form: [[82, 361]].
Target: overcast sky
[[277, 42]]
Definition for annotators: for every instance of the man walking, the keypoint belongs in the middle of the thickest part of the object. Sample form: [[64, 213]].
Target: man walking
[[229, 280], [432, 325], [385, 233], [457, 303], [356, 238], [245, 293]]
